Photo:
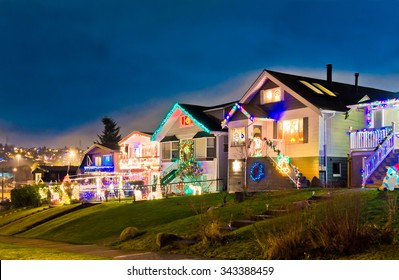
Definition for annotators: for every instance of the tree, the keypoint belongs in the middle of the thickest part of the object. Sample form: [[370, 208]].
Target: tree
[[110, 135]]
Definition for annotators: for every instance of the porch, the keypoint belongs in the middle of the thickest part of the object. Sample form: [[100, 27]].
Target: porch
[[370, 147]]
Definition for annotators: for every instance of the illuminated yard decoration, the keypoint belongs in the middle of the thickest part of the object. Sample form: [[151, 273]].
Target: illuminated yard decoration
[[257, 172], [391, 179], [283, 164], [189, 170]]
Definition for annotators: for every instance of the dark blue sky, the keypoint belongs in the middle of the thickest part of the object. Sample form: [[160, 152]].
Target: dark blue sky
[[65, 64]]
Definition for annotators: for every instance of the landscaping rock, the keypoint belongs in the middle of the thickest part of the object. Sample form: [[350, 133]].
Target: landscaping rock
[[165, 239]]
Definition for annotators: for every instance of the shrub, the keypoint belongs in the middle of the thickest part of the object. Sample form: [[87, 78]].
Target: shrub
[[332, 229], [26, 196], [128, 233]]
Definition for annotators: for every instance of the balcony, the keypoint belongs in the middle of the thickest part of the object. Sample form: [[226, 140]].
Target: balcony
[[368, 139]]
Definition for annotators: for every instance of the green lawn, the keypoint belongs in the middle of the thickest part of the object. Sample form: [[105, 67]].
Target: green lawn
[[16, 252], [187, 217]]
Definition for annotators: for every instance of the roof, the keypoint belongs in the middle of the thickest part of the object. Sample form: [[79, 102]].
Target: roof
[[101, 147], [199, 116], [345, 94], [315, 93], [169, 138], [146, 134], [64, 168]]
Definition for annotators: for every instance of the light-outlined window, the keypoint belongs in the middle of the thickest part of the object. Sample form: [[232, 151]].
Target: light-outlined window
[[271, 95]]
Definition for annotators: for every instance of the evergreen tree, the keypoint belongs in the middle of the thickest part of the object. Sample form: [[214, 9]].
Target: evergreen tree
[[110, 135]]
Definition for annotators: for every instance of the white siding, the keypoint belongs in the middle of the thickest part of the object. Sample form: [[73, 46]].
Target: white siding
[[311, 148], [337, 139]]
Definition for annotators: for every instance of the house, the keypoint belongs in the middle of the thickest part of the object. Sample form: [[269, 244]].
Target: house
[[193, 148], [375, 146], [98, 158], [140, 165], [287, 130], [48, 174]]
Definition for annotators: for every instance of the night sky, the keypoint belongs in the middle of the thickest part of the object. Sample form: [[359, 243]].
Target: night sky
[[65, 64]]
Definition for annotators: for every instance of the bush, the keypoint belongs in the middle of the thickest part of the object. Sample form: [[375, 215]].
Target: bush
[[128, 233], [27, 196], [333, 229]]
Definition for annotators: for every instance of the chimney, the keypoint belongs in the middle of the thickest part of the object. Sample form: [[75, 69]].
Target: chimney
[[329, 73], [357, 81]]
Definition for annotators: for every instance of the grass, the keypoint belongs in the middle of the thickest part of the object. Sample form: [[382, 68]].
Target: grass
[[17, 252], [189, 216]]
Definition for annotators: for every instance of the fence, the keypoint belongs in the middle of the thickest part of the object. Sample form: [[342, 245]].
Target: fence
[[93, 193]]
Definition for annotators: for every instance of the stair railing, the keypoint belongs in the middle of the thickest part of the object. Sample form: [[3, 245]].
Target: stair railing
[[285, 168], [383, 149]]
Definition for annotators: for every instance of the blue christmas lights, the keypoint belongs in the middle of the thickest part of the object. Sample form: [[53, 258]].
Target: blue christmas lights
[[257, 171]]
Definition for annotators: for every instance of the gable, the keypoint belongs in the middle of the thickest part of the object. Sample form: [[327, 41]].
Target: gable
[[194, 116]]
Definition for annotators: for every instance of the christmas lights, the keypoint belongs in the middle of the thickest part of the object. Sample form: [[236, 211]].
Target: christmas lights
[[170, 113], [257, 171]]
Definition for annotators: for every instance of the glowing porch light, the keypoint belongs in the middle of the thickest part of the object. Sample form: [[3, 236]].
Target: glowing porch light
[[237, 166]]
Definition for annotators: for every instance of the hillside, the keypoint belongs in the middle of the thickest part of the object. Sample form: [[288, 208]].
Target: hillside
[[218, 226]]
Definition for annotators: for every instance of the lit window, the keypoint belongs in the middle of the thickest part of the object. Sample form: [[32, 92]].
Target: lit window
[[330, 93], [271, 95], [97, 161], [291, 130], [107, 160], [238, 136], [312, 87]]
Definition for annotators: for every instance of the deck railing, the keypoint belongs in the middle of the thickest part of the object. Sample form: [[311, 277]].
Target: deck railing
[[368, 139], [370, 164]]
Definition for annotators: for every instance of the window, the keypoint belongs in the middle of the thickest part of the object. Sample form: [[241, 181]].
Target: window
[[318, 88], [166, 150], [336, 169], [238, 136], [291, 131], [210, 147], [107, 160], [175, 150], [97, 161], [270, 95], [170, 150], [200, 148]]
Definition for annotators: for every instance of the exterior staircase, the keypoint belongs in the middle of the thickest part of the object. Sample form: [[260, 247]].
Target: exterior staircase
[[275, 180], [376, 178]]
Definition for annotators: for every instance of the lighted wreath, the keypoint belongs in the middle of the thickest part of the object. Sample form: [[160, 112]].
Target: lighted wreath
[[257, 171]]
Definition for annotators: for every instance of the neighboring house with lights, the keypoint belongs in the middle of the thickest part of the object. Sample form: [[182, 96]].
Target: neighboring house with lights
[[52, 174], [139, 159], [100, 159], [376, 146], [286, 126], [192, 140]]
